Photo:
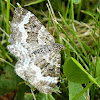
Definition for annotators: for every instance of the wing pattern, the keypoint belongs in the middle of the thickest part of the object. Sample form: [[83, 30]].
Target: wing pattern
[[36, 50]]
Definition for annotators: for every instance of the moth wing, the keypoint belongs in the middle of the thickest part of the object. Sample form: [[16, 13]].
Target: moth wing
[[25, 27]]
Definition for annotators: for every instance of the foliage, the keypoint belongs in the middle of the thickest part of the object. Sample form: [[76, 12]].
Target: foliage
[[80, 62]]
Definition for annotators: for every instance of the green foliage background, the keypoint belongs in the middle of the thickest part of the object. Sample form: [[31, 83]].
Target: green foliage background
[[73, 23]]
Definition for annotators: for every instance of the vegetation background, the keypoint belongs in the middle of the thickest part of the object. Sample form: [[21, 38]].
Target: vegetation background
[[73, 23]]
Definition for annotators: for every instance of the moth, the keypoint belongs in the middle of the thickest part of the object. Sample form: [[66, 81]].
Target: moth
[[38, 55]]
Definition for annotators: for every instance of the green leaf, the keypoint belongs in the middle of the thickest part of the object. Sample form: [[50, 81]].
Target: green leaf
[[50, 97], [98, 68], [41, 96], [76, 1], [74, 89], [8, 80], [35, 2], [98, 72], [28, 96], [74, 71], [98, 80], [21, 89], [7, 16]]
